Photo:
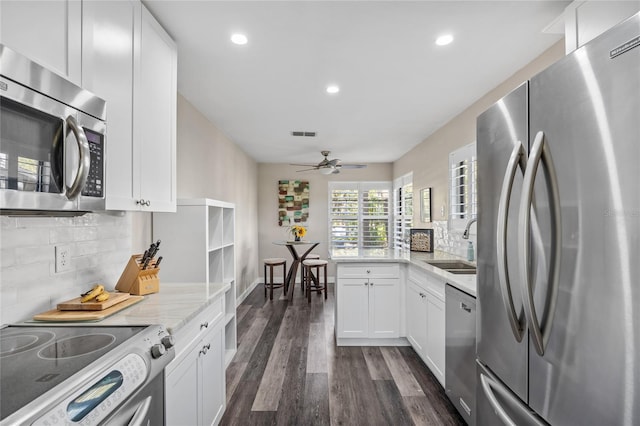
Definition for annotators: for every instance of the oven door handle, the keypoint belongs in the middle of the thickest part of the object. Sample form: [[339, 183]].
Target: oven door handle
[[141, 412]]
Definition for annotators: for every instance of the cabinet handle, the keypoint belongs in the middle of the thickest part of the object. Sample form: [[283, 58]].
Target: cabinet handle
[[205, 349], [423, 295], [368, 271], [204, 325], [143, 202], [366, 283], [371, 284], [464, 307]]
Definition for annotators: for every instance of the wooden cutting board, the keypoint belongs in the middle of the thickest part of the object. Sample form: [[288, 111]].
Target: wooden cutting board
[[77, 305], [65, 316]]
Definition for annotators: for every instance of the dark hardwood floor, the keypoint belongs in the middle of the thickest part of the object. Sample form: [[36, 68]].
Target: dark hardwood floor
[[288, 371]]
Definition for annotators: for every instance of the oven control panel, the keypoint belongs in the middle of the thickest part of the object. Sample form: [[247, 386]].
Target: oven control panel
[[94, 402]]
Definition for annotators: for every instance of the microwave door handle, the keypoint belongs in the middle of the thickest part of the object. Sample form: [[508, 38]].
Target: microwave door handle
[[518, 158], [539, 152], [85, 159]]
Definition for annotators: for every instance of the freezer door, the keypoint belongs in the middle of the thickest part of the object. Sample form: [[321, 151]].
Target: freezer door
[[502, 136], [587, 107], [497, 405]]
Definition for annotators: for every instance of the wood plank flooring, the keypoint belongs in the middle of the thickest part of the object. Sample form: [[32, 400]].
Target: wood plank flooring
[[288, 371]]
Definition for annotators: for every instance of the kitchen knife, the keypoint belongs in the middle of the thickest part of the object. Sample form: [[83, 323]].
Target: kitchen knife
[[146, 263], [158, 262]]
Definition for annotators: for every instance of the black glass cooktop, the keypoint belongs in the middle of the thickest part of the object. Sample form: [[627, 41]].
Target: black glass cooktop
[[35, 359]]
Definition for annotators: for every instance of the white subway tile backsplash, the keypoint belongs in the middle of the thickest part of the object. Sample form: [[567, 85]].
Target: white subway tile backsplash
[[100, 248], [451, 241], [21, 237]]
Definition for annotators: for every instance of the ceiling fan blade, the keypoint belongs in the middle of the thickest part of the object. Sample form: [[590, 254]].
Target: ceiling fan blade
[[304, 164], [335, 171], [353, 166], [307, 170]]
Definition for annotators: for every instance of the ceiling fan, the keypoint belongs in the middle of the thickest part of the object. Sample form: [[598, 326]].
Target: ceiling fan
[[327, 167]]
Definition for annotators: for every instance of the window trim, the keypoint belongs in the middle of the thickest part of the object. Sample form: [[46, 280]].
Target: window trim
[[403, 208], [458, 221], [361, 187]]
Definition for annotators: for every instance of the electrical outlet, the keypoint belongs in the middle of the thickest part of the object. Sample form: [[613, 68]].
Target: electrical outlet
[[63, 258]]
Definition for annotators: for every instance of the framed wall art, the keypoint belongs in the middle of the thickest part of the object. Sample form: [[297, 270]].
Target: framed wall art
[[293, 202], [421, 240], [425, 205]]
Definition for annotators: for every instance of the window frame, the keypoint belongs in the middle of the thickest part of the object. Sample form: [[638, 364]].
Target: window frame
[[403, 208], [360, 217], [463, 188]]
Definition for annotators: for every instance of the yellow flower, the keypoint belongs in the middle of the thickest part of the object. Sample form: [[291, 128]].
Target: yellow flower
[[298, 231]]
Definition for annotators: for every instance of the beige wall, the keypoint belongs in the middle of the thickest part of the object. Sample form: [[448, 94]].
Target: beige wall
[[317, 226], [212, 166], [429, 160]]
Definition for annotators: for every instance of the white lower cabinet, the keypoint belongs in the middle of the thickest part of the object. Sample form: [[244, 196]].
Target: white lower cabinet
[[195, 379], [368, 302], [426, 319], [416, 316]]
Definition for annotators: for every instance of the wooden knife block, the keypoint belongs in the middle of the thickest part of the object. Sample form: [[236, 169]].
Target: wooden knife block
[[135, 280]]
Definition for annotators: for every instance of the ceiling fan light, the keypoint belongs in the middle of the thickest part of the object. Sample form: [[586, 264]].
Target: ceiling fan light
[[326, 170]]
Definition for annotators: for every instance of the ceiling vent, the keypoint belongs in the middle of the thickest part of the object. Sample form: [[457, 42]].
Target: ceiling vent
[[299, 133]]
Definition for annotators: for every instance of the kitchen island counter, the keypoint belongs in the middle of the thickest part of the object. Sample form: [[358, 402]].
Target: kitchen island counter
[[466, 283]]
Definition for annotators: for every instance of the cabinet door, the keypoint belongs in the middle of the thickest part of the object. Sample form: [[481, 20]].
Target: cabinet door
[[436, 342], [353, 307], [47, 32], [181, 391], [384, 308], [417, 317], [212, 376], [107, 70], [155, 117]]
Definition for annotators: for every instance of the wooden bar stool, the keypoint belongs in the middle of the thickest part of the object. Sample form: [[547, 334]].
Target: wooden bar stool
[[309, 265], [309, 256], [272, 263]]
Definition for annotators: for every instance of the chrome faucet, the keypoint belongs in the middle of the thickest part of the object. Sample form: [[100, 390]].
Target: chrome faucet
[[465, 234]]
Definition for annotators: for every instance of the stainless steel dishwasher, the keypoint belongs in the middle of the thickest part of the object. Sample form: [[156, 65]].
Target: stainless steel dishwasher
[[461, 352]]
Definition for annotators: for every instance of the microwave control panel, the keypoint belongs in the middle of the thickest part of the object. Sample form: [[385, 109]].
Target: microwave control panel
[[95, 182]]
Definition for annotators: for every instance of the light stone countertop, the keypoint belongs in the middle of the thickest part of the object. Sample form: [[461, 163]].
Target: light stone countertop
[[466, 283], [174, 306]]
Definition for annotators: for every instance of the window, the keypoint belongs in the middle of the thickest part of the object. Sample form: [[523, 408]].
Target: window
[[359, 215], [463, 204], [402, 210]]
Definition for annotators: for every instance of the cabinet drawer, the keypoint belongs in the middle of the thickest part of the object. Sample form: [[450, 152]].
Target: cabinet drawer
[[203, 320], [376, 270]]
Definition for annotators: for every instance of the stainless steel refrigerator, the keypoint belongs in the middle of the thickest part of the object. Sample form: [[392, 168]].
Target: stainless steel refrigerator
[[558, 335]]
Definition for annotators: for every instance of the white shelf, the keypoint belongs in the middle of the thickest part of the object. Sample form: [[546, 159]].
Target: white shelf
[[198, 246]]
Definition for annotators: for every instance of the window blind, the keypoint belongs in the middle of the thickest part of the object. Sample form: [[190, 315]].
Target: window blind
[[359, 214]]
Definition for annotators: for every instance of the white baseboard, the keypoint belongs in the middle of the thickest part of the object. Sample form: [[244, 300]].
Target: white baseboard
[[248, 291]]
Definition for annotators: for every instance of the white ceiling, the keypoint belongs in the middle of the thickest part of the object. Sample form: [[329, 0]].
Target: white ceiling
[[397, 86]]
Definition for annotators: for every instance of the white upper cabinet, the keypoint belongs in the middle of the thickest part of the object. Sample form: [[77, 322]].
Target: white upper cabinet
[[108, 49], [155, 117], [130, 61], [47, 32]]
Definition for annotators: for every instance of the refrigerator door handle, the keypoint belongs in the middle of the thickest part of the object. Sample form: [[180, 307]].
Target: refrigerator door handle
[[539, 151], [492, 387], [518, 158]]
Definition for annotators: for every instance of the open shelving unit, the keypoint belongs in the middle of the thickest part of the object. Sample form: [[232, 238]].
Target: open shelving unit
[[198, 242]]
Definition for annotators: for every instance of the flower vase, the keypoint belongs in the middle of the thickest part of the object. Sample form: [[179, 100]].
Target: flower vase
[[297, 238]]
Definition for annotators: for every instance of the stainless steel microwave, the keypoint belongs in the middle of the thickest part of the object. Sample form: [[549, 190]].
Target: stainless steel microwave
[[52, 141]]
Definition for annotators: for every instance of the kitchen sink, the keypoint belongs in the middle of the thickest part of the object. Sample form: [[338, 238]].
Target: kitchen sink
[[453, 266]]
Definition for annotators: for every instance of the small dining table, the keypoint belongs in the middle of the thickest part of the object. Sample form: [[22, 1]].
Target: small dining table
[[290, 281]]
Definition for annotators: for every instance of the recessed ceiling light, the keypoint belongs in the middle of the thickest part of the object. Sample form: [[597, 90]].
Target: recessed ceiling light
[[239, 38], [332, 88], [444, 39]]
